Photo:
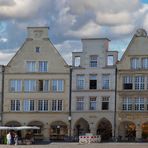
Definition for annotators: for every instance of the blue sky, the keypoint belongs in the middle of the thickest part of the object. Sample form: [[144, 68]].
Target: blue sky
[[69, 21]]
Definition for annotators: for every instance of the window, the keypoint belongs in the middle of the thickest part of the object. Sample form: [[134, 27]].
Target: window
[[93, 82], [110, 60], [145, 63], [58, 85], [28, 105], [105, 103], [139, 82], [29, 85], [134, 63], [127, 104], [139, 104], [80, 81], [37, 49], [43, 85], [43, 66], [80, 104], [42, 105], [77, 61], [31, 66], [127, 82], [15, 105], [93, 60], [57, 105], [92, 105], [15, 85], [105, 81]]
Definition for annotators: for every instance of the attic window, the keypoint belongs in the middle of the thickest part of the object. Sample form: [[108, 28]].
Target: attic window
[[37, 49]]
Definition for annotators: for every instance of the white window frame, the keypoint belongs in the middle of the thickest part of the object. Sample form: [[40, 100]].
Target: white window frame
[[139, 104], [31, 66], [92, 103], [93, 61], [80, 84], [43, 105], [57, 85], [135, 63], [145, 63], [80, 103], [15, 85], [29, 105], [105, 81], [139, 82], [15, 105], [43, 66], [57, 105], [127, 104], [30, 85]]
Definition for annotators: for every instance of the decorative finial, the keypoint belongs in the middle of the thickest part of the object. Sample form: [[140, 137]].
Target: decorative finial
[[141, 33]]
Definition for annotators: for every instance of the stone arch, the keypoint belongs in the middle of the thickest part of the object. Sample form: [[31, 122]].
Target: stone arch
[[58, 131], [13, 123], [127, 131], [81, 127], [37, 133], [145, 130], [104, 128]]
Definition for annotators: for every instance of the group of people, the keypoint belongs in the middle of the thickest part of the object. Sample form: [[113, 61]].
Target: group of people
[[12, 138]]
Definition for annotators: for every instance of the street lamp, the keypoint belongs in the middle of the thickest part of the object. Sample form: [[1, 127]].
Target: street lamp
[[70, 97]]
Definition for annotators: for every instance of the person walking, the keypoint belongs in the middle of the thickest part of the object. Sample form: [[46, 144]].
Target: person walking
[[8, 138]]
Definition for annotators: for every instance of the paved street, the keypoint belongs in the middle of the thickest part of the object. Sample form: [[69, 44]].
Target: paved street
[[76, 145]]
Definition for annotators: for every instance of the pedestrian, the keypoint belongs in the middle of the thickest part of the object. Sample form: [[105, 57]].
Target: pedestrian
[[16, 139], [8, 138]]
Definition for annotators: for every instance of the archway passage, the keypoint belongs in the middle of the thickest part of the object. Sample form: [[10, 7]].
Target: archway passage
[[145, 130], [127, 131], [105, 130], [81, 127], [35, 133], [58, 131], [14, 124]]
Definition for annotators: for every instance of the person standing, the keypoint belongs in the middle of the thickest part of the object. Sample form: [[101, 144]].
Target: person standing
[[16, 139], [8, 138]]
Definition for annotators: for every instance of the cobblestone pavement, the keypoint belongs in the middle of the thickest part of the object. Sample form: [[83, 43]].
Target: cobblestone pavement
[[76, 145]]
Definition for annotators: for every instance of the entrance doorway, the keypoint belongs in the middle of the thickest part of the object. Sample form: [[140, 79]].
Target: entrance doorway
[[81, 127], [105, 130], [145, 131], [127, 131], [58, 131]]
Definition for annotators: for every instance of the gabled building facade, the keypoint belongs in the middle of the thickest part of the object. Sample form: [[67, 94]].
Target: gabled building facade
[[36, 88], [93, 88], [132, 92]]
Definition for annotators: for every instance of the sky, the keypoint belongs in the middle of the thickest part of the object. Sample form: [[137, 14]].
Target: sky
[[69, 21]]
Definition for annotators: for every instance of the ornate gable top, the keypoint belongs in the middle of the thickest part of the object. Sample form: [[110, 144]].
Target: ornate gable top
[[141, 33]]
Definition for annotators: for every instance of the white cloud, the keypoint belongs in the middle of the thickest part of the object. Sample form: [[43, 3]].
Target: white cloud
[[3, 40], [5, 57], [113, 18], [91, 29]]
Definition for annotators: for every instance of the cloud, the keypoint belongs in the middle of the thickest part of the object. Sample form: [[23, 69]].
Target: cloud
[[3, 40], [70, 20], [67, 47], [5, 57]]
